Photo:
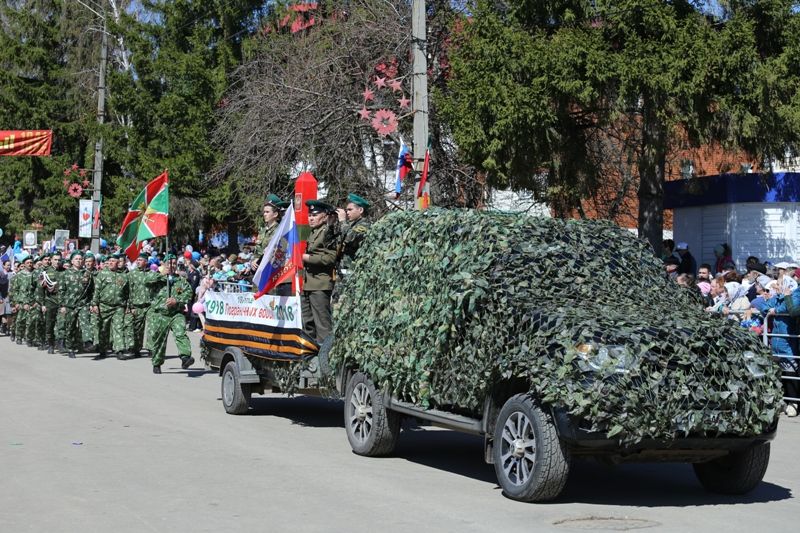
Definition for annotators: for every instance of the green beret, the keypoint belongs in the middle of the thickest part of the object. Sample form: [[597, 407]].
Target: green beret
[[359, 201], [169, 257], [73, 254], [115, 256], [43, 256], [318, 206], [88, 255], [28, 258], [37, 258], [101, 258]]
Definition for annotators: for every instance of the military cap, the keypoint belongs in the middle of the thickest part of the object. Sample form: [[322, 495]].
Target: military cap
[[317, 206], [44, 256], [144, 255], [87, 255], [358, 200], [27, 258], [73, 254], [115, 256], [101, 258], [169, 257]]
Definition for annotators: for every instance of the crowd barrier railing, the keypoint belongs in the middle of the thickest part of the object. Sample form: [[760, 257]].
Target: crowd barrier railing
[[787, 362]]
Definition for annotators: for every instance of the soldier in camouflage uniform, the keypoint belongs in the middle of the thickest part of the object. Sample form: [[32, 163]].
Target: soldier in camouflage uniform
[[11, 319], [318, 262], [272, 217], [75, 294], [86, 319], [139, 299], [352, 232], [50, 283], [24, 287], [35, 332], [172, 294], [109, 301]]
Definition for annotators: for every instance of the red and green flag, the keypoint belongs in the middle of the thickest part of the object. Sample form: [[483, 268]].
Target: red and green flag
[[148, 217]]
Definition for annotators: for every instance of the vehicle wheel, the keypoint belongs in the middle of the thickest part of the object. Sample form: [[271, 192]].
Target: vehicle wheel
[[371, 428], [735, 473], [530, 461], [235, 395]]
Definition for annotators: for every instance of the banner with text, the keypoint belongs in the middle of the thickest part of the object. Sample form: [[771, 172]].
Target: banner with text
[[85, 219], [271, 327], [26, 142]]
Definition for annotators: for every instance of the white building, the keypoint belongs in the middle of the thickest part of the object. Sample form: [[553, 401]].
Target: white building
[[756, 214]]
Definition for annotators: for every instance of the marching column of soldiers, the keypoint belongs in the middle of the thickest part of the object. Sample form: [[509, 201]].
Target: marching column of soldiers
[[69, 307]]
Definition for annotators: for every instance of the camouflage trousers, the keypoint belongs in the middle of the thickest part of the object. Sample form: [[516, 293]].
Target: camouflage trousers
[[135, 323], [50, 318], [21, 323], [159, 326], [70, 328], [35, 330], [58, 331], [88, 324], [110, 332]]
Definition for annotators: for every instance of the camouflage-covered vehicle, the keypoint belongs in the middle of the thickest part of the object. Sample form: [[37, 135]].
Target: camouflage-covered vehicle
[[552, 339]]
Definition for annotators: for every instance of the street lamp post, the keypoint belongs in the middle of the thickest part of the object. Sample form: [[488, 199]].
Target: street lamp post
[[419, 103]]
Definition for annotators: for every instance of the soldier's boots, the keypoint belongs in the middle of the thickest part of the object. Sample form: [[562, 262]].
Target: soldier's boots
[[157, 369], [187, 361], [88, 346], [19, 341], [71, 354], [51, 349], [101, 355], [125, 356]]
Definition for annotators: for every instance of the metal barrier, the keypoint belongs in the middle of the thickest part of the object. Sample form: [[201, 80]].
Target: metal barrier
[[232, 286]]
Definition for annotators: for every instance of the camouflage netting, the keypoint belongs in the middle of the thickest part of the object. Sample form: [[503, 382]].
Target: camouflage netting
[[444, 304]]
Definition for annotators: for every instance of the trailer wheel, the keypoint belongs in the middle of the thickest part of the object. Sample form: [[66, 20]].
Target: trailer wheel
[[530, 462], [371, 428], [735, 473], [235, 395]]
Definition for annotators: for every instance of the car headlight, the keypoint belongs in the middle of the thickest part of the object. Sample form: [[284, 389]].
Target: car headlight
[[594, 357], [755, 364]]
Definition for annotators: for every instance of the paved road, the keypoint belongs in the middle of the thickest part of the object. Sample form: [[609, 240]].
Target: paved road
[[102, 446]]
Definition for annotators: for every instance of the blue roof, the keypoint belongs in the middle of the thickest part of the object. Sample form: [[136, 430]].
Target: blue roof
[[732, 189]]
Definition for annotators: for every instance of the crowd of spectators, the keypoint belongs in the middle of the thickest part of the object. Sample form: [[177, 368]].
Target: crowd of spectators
[[763, 298]]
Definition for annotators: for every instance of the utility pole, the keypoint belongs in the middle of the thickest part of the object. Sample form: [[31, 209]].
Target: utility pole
[[97, 175], [419, 103]]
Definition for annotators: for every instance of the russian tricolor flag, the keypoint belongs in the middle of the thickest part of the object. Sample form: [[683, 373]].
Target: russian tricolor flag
[[403, 166], [282, 258]]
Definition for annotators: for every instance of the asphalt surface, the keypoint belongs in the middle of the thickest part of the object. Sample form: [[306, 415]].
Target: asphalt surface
[[102, 446]]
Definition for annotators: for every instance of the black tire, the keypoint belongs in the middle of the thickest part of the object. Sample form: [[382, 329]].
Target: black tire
[[530, 462], [371, 428], [735, 473], [235, 395]]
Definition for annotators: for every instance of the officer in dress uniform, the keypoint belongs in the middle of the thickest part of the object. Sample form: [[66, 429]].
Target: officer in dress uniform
[[318, 263], [35, 331], [51, 282]]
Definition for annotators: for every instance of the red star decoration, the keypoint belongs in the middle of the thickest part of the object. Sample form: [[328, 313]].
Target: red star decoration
[[384, 122], [368, 94], [74, 166], [364, 113], [380, 82], [67, 172], [404, 102], [396, 85], [82, 173]]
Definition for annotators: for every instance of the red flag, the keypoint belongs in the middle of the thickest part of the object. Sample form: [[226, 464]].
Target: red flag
[[26, 142], [424, 178], [96, 223]]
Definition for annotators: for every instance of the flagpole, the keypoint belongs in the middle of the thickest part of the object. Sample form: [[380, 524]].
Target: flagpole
[[169, 276]]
